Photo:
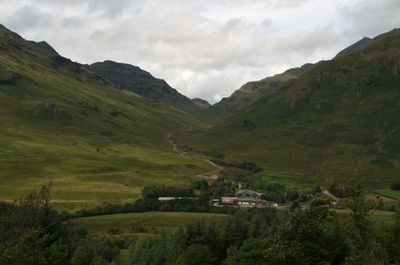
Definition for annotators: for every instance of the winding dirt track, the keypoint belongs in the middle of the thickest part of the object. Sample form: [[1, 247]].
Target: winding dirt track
[[213, 174]]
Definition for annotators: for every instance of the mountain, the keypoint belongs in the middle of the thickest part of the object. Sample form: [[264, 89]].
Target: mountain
[[45, 46], [253, 91], [358, 46], [340, 118], [95, 142], [201, 102], [132, 78]]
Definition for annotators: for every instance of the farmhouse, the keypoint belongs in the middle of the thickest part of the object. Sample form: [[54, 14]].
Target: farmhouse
[[228, 201], [245, 199], [176, 198], [243, 194]]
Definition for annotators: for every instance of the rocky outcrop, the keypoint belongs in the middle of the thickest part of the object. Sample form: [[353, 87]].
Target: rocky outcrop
[[394, 65], [9, 77], [50, 107]]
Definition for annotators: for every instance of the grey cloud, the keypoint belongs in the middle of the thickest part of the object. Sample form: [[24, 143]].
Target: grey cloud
[[370, 17], [28, 15], [203, 48]]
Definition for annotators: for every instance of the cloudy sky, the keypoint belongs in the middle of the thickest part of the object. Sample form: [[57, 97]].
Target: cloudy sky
[[206, 48]]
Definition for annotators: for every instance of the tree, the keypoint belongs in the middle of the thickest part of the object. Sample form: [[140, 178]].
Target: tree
[[31, 233], [251, 253], [295, 205], [393, 244], [196, 255], [360, 208], [367, 249], [395, 186]]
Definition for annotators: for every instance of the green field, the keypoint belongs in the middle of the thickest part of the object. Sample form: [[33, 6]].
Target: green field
[[375, 215], [387, 219], [393, 194], [149, 221], [290, 180]]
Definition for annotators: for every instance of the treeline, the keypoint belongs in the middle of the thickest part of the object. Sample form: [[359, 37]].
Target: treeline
[[343, 192], [218, 188], [249, 166], [188, 201], [395, 186], [153, 192], [275, 191]]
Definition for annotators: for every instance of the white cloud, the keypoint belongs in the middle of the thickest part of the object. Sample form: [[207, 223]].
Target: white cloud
[[202, 48]]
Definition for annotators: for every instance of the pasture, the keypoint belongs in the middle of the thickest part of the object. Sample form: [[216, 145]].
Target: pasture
[[393, 194]]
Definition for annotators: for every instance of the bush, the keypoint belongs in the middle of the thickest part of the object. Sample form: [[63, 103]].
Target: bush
[[164, 191], [395, 186], [337, 190]]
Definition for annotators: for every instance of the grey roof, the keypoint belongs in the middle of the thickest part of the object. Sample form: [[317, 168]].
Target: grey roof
[[246, 193]]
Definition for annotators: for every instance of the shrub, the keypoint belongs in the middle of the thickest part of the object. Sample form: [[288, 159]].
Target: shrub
[[395, 186]]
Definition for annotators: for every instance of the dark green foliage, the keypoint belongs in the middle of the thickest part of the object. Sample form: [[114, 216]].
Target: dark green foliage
[[31, 233], [395, 186], [337, 190], [196, 255], [248, 166], [277, 192], [202, 243], [200, 185], [393, 241], [251, 253], [153, 192], [222, 187]]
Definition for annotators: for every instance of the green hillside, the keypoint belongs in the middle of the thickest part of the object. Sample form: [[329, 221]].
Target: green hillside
[[59, 122], [338, 119]]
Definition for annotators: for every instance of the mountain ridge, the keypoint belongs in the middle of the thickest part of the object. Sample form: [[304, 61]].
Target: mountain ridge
[[133, 78]]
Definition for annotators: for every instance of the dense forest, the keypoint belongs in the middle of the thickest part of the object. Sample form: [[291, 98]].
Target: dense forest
[[31, 232]]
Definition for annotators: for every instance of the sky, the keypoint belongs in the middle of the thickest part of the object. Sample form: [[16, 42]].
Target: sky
[[203, 48]]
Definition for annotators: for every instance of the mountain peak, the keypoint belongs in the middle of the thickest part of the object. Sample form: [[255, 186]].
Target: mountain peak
[[45, 46], [201, 102], [355, 47], [133, 78]]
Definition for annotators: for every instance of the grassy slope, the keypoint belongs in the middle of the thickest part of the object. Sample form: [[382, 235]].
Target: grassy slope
[[339, 119], [94, 142], [125, 223]]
